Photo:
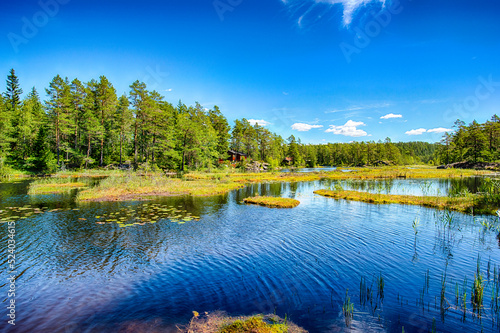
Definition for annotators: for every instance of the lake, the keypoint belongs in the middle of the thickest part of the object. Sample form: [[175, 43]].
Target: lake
[[87, 268]]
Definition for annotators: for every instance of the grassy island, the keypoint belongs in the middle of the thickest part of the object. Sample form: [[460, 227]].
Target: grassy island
[[272, 202], [465, 204]]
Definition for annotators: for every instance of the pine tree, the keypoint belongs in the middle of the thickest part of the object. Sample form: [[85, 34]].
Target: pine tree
[[59, 106], [123, 119], [106, 102]]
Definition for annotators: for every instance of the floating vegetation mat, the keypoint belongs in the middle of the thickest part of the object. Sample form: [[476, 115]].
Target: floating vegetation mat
[[17, 213], [147, 213], [273, 202]]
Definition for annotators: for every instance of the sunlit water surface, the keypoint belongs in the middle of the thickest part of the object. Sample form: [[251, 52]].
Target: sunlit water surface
[[75, 275]]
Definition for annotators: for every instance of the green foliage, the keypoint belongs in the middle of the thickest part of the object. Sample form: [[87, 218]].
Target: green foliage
[[475, 142]]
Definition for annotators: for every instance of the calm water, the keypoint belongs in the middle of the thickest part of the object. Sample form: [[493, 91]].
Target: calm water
[[74, 275]]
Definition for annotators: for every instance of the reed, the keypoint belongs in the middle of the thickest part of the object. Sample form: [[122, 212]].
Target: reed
[[348, 309], [477, 293]]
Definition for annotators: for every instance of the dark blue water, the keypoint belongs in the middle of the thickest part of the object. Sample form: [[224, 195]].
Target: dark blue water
[[74, 275]]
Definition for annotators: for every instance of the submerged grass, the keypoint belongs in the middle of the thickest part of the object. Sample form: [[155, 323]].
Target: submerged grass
[[219, 322], [273, 202], [461, 204]]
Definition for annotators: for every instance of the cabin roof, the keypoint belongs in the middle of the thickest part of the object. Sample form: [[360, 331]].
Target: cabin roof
[[234, 152]]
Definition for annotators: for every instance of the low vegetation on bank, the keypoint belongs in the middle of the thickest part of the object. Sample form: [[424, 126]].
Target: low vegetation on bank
[[219, 322], [128, 185], [55, 185], [272, 202]]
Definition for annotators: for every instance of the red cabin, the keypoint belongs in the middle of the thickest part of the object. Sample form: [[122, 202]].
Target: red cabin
[[234, 156]]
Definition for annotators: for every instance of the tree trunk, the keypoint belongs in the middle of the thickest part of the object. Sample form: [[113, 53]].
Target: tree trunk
[[88, 153], [121, 140], [135, 142], [102, 149], [57, 137]]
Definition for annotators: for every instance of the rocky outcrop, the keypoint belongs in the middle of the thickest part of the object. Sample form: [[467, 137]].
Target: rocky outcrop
[[257, 166]]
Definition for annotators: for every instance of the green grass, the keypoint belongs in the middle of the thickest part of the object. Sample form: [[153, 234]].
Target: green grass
[[54, 185], [219, 322], [273, 202], [461, 204], [133, 185]]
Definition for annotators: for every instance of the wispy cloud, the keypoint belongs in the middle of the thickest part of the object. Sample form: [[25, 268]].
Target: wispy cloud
[[260, 122], [361, 107], [350, 7], [348, 129], [301, 127], [391, 116]]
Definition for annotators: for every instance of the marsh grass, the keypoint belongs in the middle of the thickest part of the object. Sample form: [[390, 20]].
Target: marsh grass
[[122, 185], [155, 184], [461, 204], [55, 185], [348, 309], [219, 322], [272, 202]]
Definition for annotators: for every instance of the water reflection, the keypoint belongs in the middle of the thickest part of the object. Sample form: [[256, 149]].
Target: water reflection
[[427, 187]]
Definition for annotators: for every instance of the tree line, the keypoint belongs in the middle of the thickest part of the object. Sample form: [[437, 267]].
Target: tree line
[[474, 142], [87, 125]]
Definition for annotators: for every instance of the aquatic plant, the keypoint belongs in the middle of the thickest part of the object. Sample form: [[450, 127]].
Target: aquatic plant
[[415, 225], [220, 322], [348, 309], [380, 287], [477, 293], [146, 213]]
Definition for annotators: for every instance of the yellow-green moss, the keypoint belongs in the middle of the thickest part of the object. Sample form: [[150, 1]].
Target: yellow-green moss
[[273, 202], [219, 322]]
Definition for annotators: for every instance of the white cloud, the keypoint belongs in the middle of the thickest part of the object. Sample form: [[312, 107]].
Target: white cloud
[[301, 127], [348, 129], [439, 130], [260, 122], [170, 89], [391, 116], [419, 131]]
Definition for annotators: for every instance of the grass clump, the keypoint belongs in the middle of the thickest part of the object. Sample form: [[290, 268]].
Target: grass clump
[[136, 186], [54, 185], [461, 204], [272, 202], [219, 322]]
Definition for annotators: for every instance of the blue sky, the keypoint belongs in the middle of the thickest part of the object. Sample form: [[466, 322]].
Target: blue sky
[[323, 70]]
